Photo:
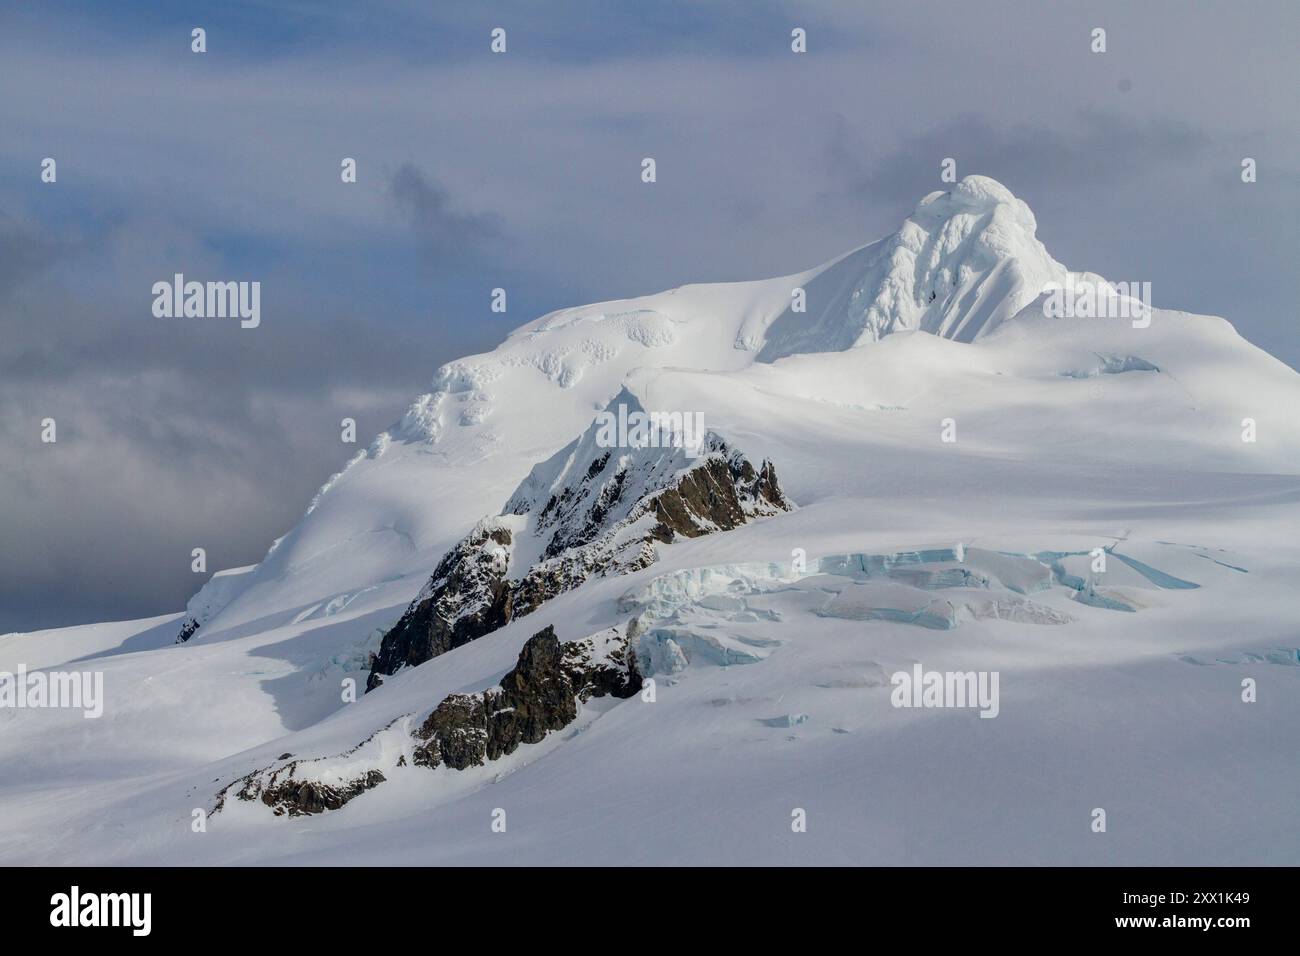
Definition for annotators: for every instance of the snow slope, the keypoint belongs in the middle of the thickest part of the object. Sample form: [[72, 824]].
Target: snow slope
[[771, 652]]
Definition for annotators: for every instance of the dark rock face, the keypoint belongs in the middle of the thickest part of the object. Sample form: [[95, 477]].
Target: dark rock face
[[286, 795], [467, 596], [720, 495], [586, 526], [187, 630], [301, 797], [458, 727], [541, 694]]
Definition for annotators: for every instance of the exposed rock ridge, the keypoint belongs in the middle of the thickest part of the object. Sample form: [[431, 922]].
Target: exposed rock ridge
[[605, 522]]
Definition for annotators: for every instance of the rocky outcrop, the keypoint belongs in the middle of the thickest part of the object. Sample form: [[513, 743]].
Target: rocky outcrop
[[303, 797], [303, 787], [187, 630], [541, 694], [596, 513], [467, 596], [544, 692]]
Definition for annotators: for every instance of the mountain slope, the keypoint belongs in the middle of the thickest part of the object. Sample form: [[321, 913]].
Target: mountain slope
[[1068, 503]]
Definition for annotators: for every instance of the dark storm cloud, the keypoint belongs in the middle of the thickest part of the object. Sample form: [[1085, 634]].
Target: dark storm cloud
[[172, 434], [444, 231]]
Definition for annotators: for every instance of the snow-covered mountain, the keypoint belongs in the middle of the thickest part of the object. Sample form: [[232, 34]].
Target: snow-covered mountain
[[960, 267], [645, 652], [592, 510]]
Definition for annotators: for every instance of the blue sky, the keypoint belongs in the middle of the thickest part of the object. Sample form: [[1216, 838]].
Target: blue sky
[[522, 171]]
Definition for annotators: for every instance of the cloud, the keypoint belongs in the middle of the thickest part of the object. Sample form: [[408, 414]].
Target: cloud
[[172, 434], [444, 232], [1093, 148], [24, 252]]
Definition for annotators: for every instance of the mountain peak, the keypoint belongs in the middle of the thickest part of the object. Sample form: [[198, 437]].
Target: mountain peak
[[963, 262], [960, 264], [976, 192]]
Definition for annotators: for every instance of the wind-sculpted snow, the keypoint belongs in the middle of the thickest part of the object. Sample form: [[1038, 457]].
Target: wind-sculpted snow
[[964, 262], [1113, 365], [648, 327], [462, 390]]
